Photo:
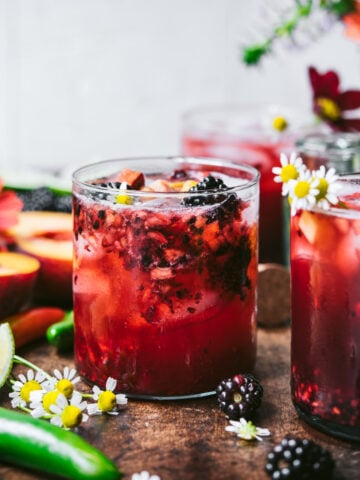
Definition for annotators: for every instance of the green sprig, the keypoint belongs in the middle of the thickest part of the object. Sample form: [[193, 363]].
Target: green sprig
[[251, 55]]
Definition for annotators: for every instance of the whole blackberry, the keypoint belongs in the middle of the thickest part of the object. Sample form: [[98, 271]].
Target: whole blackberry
[[208, 183], [41, 198], [239, 396], [299, 459], [62, 203]]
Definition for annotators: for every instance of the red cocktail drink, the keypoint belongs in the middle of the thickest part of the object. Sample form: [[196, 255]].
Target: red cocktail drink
[[164, 277], [325, 348]]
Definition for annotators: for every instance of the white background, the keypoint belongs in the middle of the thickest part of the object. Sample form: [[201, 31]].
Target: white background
[[84, 80]]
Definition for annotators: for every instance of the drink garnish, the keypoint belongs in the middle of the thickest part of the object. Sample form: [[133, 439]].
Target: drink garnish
[[306, 188]]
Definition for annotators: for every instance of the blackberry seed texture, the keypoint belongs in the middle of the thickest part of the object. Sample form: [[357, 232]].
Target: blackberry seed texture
[[208, 183], [239, 396], [63, 203], [38, 199], [299, 459]]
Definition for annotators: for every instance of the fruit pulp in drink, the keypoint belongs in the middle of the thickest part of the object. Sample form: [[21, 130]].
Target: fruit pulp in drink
[[325, 347], [263, 156], [164, 293]]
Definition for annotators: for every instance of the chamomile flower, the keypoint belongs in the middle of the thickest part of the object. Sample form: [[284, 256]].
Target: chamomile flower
[[247, 430], [64, 382], [144, 475], [107, 400], [41, 402], [326, 186], [303, 191], [290, 169], [22, 388], [68, 413]]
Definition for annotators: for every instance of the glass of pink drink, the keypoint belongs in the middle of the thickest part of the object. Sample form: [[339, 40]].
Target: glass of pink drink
[[164, 278], [246, 134], [325, 281]]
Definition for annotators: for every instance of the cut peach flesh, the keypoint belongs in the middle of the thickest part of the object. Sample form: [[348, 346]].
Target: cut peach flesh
[[13, 263], [34, 224]]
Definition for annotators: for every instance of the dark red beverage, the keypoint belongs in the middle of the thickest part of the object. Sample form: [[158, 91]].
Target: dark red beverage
[[165, 279], [325, 349]]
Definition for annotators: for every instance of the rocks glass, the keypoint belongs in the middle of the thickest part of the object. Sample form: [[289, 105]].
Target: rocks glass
[[325, 323], [165, 278]]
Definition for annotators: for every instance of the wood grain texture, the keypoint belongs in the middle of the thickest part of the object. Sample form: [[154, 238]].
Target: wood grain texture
[[187, 440]]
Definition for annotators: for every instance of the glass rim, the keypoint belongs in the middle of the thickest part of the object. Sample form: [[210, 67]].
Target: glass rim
[[337, 145], [190, 160], [342, 212]]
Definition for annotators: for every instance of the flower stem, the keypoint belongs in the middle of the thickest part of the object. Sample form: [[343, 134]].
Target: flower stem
[[27, 363]]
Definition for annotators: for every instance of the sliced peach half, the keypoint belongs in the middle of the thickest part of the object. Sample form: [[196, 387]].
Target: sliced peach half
[[18, 274]]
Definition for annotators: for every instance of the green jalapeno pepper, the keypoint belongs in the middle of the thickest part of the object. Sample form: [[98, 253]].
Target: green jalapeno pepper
[[61, 334], [36, 444]]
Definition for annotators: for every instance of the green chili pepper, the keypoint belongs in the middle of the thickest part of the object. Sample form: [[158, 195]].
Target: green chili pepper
[[34, 443], [61, 334]]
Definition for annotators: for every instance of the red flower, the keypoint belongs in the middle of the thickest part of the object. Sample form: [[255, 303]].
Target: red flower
[[332, 105], [10, 206]]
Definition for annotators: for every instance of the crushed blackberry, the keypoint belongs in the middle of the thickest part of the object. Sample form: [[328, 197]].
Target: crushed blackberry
[[239, 396], [208, 183], [299, 459], [115, 185]]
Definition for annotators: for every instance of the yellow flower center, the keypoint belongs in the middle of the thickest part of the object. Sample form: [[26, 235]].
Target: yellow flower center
[[329, 108], [289, 172], [280, 124], [302, 189], [50, 399], [27, 388], [71, 416], [124, 199], [65, 387], [106, 401], [323, 188]]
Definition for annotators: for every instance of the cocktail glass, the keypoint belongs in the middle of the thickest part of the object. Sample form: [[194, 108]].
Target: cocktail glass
[[164, 278], [325, 285], [254, 135]]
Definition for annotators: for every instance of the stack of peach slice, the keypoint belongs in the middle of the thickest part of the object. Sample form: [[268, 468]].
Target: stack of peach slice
[[45, 237]]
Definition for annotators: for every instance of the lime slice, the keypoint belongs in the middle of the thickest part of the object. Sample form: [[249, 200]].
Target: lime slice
[[7, 350]]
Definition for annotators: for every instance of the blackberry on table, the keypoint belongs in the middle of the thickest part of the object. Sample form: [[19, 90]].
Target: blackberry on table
[[299, 459], [208, 183], [239, 396]]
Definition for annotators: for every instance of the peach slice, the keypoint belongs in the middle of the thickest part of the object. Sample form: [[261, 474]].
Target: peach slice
[[18, 275], [47, 236]]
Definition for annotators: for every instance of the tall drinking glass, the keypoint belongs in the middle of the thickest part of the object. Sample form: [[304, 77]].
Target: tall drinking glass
[[325, 285], [165, 273], [254, 135]]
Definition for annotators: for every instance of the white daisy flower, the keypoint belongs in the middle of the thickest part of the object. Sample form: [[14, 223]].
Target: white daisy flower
[[64, 382], [22, 388], [41, 402], [68, 413], [303, 191], [327, 187], [144, 475], [107, 400], [290, 170], [247, 430]]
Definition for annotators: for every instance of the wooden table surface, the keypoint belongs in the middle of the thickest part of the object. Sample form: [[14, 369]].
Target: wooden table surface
[[187, 440]]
